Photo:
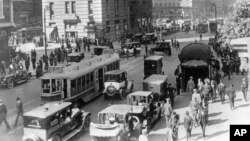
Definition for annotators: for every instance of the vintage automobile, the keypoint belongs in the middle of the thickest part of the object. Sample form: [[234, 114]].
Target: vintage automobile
[[55, 121], [156, 84], [98, 50], [116, 84], [131, 48], [162, 48], [16, 78], [149, 38], [113, 123], [153, 65], [75, 57], [137, 37], [150, 108]]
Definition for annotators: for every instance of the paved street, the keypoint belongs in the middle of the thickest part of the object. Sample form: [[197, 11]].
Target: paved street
[[220, 116]]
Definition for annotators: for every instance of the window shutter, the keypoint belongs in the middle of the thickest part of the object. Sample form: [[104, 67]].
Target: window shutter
[[1, 9]]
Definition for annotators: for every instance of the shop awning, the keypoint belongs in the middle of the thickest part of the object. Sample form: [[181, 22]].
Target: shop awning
[[194, 63]]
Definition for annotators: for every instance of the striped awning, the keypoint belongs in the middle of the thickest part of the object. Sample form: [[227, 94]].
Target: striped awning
[[239, 44]]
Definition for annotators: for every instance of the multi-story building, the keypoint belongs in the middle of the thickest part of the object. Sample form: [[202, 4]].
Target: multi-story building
[[167, 9], [85, 18], [6, 23], [140, 14], [27, 13]]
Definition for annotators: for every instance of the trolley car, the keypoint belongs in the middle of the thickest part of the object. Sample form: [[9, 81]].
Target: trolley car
[[79, 82]]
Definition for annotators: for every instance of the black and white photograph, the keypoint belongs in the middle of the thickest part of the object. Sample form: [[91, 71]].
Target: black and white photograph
[[124, 70]]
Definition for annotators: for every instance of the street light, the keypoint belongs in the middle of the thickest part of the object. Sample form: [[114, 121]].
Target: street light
[[45, 38]]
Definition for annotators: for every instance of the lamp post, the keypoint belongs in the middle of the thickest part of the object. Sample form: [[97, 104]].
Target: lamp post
[[45, 39]]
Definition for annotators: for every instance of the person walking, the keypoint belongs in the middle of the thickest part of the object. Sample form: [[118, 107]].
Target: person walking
[[19, 108], [188, 124], [196, 95], [244, 88], [221, 91], [232, 95], [190, 85], [174, 124], [3, 115], [203, 121], [167, 111], [27, 63]]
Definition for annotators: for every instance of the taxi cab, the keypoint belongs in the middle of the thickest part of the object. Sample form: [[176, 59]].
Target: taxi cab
[[55, 121], [150, 106], [75, 57], [153, 65], [156, 84], [113, 122]]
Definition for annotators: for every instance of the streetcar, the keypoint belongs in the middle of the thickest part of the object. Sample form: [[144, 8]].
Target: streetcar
[[202, 28], [80, 82]]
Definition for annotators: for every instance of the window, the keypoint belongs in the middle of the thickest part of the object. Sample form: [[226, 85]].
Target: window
[[83, 83], [55, 85], [73, 7], [1, 9], [54, 121], [107, 6], [79, 85], [92, 78], [90, 7], [87, 81], [67, 7], [73, 87], [46, 85], [51, 10], [116, 6]]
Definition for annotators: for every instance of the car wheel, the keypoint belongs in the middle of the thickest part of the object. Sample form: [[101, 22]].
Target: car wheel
[[86, 124], [56, 138], [10, 84]]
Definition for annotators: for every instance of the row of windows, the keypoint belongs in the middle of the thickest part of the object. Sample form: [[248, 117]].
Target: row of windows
[[113, 66], [82, 83], [116, 5], [166, 4]]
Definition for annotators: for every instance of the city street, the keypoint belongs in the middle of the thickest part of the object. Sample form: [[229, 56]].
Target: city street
[[220, 116]]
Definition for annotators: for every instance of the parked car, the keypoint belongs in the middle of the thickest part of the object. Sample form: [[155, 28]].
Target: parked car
[[98, 50], [16, 78], [116, 84], [149, 108], [149, 38], [137, 38], [55, 121]]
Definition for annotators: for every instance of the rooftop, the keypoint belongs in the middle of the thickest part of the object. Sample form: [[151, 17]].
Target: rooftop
[[156, 79], [154, 58]]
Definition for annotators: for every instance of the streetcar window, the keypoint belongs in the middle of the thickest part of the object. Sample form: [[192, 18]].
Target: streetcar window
[[91, 79], [55, 85], [87, 81], [117, 65], [46, 85], [83, 83], [73, 87], [79, 85]]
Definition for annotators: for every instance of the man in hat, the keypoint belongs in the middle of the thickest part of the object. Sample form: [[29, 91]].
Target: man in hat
[[190, 85], [188, 124], [196, 95], [19, 108], [3, 114]]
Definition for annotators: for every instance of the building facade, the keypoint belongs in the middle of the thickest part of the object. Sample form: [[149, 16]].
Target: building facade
[[6, 23], [167, 9], [85, 18], [140, 15], [27, 13]]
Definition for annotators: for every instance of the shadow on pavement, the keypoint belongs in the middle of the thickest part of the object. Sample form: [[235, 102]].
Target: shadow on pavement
[[216, 121], [181, 101], [212, 135], [192, 136], [214, 114], [156, 137], [236, 100], [244, 105]]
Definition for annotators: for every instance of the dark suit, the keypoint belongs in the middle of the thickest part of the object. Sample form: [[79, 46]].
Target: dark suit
[[19, 108], [188, 123], [231, 95], [3, 115]]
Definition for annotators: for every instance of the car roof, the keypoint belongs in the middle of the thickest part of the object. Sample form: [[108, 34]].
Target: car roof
[[115, 72], [120, 109], [140, 93], [53, 107], [149, 34], [75, 53], [154, 57], [156, 79]]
